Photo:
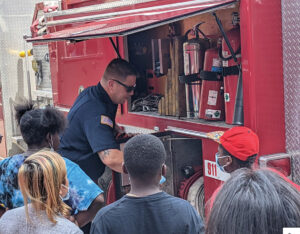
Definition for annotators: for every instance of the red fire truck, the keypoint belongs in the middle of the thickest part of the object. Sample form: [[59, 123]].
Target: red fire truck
[[74, 40]]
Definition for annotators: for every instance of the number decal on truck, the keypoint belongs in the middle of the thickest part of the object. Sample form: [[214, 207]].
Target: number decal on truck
[[211, 170]]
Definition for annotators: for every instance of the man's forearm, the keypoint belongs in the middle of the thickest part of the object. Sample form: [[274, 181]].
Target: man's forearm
[[112, 158], [84, 217]]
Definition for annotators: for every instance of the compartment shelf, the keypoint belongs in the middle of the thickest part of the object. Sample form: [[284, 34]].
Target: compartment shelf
[[220, 124]]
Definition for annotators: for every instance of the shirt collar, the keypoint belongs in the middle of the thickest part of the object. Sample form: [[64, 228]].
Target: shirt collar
[[103, 94]]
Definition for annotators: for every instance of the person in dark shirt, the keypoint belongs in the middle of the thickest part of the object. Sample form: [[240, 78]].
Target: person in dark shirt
[[146, 209], [89, 139]]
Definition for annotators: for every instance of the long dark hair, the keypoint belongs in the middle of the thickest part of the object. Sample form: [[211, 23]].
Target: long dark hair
[[251, 202], [36, 123]]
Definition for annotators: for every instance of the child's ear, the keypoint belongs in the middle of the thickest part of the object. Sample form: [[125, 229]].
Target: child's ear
[[164, 170]]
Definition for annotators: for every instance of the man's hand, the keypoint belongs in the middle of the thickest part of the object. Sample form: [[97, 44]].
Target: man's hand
[[112, 158], [118, 129], [120, 133]]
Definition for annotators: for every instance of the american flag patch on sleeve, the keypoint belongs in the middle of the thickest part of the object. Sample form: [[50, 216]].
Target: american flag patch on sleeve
[[107, 121]]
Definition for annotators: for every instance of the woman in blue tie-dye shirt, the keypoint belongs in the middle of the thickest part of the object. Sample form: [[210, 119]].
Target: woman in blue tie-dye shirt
[[40, 130]]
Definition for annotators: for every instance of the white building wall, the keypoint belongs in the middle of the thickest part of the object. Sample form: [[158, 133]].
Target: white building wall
[[15, 20]]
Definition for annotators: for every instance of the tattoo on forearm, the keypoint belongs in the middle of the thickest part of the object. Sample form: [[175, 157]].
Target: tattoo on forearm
[[104, 154]]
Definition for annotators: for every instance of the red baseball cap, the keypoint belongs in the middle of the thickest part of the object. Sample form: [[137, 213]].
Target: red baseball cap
[[240, 142]]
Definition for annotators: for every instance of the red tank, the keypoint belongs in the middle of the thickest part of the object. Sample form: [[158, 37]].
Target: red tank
[[212, 101]]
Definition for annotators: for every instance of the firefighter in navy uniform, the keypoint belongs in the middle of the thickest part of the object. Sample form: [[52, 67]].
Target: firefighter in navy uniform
[[89, 139]]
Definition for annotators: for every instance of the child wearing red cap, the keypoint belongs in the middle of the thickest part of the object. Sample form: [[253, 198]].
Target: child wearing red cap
[[238, 148]]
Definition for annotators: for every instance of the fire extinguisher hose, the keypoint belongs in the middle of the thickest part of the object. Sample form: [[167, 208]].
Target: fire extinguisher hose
[[197, 32], [230, 57]]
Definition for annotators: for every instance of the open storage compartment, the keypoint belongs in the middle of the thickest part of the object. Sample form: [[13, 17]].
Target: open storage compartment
[[170, 65]]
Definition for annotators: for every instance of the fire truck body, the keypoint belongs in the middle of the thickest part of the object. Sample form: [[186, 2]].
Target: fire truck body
[[83, 36]]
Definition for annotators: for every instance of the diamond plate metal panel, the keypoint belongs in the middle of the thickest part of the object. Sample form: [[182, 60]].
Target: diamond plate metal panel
[[291, 72], [296, 167]]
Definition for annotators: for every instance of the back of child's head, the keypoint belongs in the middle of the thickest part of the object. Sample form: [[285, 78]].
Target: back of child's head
[[36, 123], [144, 156], [40, 178]]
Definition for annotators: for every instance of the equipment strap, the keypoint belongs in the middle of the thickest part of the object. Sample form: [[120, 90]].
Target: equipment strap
[[188, 79]]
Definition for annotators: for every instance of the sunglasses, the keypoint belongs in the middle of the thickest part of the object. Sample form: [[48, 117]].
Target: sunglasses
[[129, 89]]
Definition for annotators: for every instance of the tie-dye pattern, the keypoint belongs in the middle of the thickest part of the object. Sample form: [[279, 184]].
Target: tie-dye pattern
[[82, 189]]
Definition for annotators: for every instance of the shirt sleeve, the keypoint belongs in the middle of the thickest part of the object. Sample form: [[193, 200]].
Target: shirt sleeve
[[82, 189], [98, 129]]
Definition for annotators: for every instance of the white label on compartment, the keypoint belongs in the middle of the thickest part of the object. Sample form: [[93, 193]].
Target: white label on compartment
[[213, 114], [211, 170], [212, 97]]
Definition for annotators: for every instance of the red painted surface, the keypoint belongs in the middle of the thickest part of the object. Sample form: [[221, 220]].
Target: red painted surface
[[261, 41], [3, 152], [69, 4], [150, 122], [78, 64], [209, 148]]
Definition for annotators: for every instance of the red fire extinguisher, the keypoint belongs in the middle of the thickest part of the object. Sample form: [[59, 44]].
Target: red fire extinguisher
[[231, 81], [212, 101], [193, 54]]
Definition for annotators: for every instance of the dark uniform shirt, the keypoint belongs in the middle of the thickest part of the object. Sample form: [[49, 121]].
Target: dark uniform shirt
[[90, 130]]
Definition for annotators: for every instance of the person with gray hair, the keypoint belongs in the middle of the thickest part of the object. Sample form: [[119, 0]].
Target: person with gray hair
[[146, 209], [254, 201]]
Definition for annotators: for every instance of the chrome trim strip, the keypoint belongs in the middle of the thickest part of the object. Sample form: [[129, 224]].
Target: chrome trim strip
[[263, 160], [186, 132], [110, 15], [97, 7]]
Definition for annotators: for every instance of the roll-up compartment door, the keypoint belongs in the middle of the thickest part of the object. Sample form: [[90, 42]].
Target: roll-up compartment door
[[122, 23]]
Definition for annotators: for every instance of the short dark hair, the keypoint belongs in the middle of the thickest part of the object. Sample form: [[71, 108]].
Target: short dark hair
[[243, 164], [144, 156], [35, 124], [254, 201], [119, 69]]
